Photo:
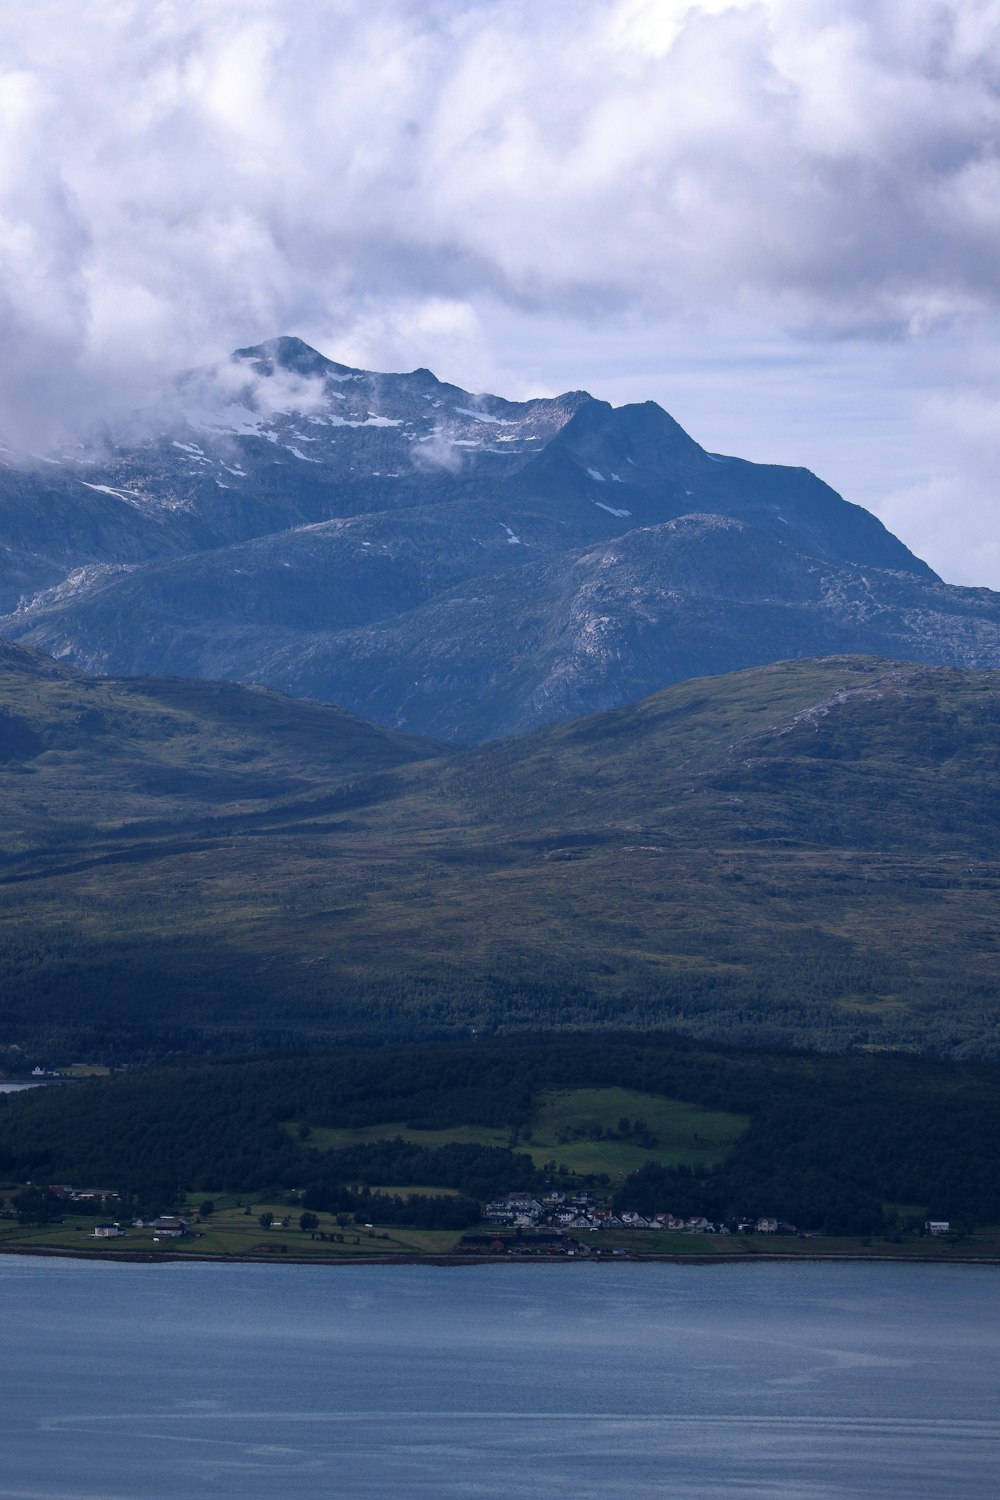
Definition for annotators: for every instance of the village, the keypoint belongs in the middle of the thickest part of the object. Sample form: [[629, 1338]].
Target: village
[[581, 1211], [520, 1223]]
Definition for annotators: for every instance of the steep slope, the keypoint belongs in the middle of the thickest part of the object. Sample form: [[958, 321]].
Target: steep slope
[[802, 853], [448, 563], [646, 470], [585, 630]]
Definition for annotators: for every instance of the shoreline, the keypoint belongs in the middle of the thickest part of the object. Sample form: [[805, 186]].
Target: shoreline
[[770, 1257]]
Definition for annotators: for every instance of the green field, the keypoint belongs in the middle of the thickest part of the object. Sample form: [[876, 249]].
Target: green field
[[683, 1134], [229, 1232], [569, 1129]]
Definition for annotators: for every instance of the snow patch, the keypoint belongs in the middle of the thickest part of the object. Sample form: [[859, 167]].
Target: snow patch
[[236, 420], [596, 474], [128, 496], [611, 510], [482, 416], [372, 420], [515, 541], [297, 453]]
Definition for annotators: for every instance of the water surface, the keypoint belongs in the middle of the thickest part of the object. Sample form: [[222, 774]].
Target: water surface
[[759, 1382]]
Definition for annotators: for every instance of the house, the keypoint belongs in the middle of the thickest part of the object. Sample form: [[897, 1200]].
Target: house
[[667, 1221], [498, 1212], [482, 1244], [937, 1226], [108, 1231], [169, 1228], [69, 1193], [767, 1226]]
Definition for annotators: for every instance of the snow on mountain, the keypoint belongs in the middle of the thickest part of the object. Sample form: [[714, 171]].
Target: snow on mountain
[[409, 549]]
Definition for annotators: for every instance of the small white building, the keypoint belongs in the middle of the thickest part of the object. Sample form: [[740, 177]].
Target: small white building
[[108, 1231]]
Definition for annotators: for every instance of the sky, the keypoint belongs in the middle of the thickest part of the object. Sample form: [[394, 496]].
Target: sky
[[778, 218]]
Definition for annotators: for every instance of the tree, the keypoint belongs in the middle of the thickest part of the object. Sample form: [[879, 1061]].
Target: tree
[[207, 1208], [35, 1205], [308, 1222], [266, 1219]]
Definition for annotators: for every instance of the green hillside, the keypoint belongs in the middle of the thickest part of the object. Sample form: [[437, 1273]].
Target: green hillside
[[802, 853]]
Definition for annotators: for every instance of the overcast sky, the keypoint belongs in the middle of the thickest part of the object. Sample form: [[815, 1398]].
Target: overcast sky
[[778, 218]]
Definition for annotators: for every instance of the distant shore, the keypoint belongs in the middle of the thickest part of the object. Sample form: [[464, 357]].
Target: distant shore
[[753, 1257]]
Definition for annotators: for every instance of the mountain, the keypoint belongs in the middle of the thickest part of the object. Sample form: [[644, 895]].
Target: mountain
[[449, 564], [798, 854]]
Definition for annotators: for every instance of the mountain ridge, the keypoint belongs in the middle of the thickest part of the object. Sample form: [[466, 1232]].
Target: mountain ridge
[[352, 536]]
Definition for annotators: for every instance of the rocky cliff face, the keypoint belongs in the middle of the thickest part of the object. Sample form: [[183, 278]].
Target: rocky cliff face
[[450, 563]]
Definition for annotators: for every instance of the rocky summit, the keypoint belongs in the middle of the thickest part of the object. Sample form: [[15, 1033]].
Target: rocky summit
[[445, 563]]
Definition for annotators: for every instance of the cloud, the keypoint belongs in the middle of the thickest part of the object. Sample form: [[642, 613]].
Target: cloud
[[391, 181], [184, 174]]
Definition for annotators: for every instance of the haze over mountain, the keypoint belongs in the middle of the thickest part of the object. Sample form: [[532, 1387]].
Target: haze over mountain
[[449, 564]]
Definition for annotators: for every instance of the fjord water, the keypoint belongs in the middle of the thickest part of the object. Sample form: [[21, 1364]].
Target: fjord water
[[761, 1381]]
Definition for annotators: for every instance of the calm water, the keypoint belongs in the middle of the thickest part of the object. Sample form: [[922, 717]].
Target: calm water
[[756, 1382]]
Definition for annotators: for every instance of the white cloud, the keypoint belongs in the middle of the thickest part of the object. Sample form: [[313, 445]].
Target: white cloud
[[179, 179]]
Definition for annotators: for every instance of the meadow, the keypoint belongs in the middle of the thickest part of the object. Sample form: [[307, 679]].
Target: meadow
[[576, 1132]]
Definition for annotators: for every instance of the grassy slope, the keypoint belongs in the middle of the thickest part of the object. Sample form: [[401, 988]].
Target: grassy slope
[[685, 1134], [804, 851]]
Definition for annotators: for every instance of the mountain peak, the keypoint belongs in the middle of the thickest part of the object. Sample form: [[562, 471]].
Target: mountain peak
[[641, 435], [287, 352], [447, 561]]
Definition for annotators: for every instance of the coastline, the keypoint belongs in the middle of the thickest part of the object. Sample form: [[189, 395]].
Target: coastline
[[770, 1257]]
